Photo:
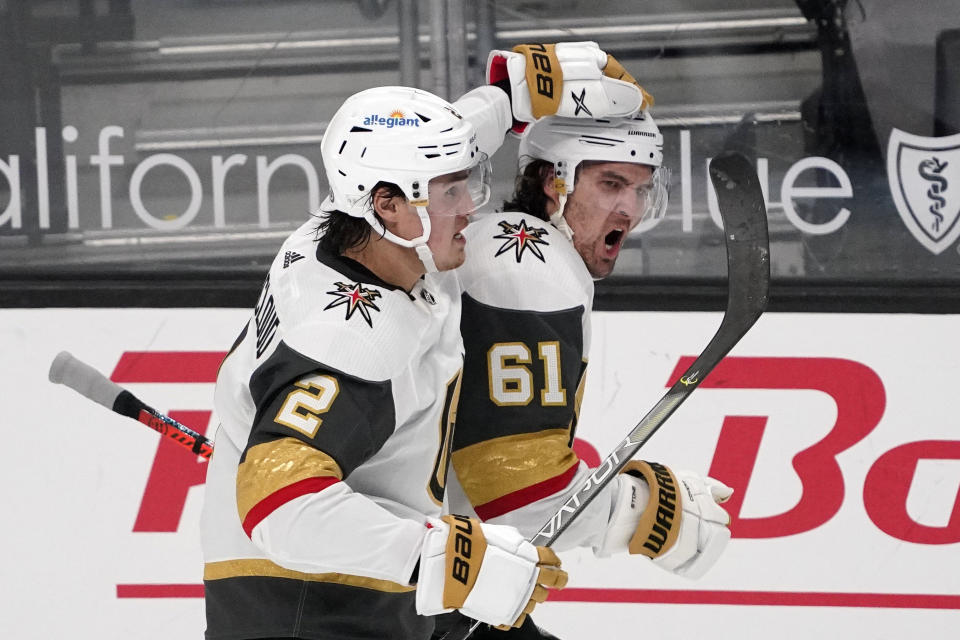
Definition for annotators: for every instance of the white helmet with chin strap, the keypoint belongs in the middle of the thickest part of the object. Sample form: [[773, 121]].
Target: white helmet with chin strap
[[568, 142], [403, 136]]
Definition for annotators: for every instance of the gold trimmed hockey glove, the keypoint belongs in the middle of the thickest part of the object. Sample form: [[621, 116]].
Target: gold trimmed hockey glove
[[675, 519], [567, 79], [489, 572]]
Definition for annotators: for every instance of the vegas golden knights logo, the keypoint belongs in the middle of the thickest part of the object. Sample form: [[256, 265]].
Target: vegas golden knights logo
[[521, 238], [355, 298]]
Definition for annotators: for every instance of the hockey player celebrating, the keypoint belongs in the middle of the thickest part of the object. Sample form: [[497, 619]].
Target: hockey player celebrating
[[528, 294], [322, 514]]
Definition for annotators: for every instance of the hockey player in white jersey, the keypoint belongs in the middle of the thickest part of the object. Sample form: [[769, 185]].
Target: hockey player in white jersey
[[323, 500], [322, 511], [528, 295]]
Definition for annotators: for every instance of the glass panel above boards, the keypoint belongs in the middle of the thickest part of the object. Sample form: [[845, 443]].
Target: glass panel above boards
[[184, 138]]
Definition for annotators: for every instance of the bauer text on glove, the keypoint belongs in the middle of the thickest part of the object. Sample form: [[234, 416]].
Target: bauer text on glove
[[489, 572], [568, 79]]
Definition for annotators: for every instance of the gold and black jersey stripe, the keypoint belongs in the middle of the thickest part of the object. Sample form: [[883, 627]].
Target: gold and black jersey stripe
[[354, 427], [521, 392]]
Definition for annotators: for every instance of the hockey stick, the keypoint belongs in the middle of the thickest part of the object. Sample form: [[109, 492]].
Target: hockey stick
[[748, 277], [87, 381]]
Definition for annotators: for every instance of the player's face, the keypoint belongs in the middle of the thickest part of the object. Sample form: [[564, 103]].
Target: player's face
[[450, 205], [609, 200]]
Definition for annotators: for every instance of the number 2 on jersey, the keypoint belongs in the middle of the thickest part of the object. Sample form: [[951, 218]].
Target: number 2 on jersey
[[303, 406]]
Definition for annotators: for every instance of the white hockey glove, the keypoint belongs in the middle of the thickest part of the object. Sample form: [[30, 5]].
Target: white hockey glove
[[489, 572], [683, 528], [568, 79]]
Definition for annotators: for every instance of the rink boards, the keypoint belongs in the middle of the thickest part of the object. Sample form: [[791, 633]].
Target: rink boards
[[838, 431]]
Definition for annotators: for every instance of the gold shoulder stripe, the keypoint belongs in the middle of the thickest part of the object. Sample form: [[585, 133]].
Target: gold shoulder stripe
[[266, 569], [517, 462], [271, 466]]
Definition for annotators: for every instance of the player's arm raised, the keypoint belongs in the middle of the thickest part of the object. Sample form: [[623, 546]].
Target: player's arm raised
[[568, 79]]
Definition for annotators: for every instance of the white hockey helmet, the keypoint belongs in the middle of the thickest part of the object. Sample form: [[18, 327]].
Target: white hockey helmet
[[568, 142], [404, 136]]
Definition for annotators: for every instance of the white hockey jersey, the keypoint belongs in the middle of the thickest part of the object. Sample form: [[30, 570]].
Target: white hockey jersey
[[336, 405], [527, 300]]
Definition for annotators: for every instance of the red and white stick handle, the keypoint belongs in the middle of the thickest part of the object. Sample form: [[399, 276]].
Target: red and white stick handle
[[90, 383]]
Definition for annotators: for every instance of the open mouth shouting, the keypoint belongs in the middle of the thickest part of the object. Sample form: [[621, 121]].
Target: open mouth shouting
[[613, 241]]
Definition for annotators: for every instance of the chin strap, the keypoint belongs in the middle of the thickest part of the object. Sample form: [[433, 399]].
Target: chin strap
[[557, 220], [426, 257], [423, 251], [419, 244]]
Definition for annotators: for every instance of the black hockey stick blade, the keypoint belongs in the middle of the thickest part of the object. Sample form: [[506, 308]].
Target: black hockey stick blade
[[744, 215]]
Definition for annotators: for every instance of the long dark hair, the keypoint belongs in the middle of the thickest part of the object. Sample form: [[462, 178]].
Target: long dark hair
[[528, 195], [338, 232]]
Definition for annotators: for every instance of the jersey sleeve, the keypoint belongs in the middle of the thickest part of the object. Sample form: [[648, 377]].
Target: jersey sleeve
[[487, 108], [525, 327], [513, 444], [524, 374], [314, 425]]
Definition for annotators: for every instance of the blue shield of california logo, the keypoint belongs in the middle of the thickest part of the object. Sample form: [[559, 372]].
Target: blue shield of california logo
[[924, 177]]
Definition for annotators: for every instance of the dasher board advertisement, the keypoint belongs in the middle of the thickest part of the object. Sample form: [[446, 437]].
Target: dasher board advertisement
[[838, 432]]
